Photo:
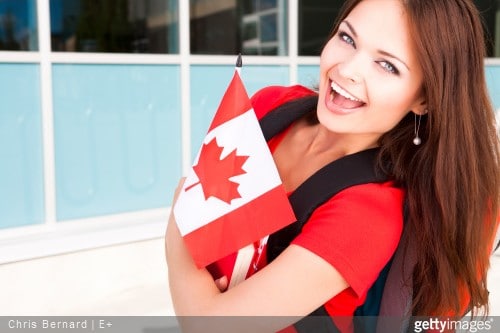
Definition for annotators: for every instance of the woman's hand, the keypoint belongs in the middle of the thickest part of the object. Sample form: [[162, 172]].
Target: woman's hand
[[222, 283]]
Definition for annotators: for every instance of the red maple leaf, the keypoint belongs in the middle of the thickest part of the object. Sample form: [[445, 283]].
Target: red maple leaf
[[214, 172]]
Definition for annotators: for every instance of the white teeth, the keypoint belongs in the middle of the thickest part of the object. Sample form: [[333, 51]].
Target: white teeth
[[344, 93]]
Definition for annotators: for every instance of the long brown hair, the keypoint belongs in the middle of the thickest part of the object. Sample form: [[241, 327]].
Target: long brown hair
[[452, 178]]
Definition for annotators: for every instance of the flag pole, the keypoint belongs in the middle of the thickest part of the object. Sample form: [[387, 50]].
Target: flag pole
[[239, 64]]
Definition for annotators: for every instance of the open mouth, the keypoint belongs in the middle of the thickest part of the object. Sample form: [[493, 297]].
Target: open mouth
[[342, 98]]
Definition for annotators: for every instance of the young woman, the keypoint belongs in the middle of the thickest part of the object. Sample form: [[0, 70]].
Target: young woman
[[405, 77]]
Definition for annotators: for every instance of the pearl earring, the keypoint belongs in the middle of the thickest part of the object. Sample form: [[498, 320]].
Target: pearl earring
[[417, 141]]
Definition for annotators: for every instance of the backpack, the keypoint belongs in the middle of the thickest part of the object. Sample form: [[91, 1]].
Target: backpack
[[355, 169]]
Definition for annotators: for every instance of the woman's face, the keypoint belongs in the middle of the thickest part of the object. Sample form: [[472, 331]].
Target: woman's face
[[369, 75]]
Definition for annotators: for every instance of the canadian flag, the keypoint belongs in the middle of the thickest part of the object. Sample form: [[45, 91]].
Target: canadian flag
[[233, 195]]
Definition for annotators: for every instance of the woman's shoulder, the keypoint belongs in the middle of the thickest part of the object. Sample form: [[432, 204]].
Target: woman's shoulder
[[379, 203], [269, 98], [383, 199]]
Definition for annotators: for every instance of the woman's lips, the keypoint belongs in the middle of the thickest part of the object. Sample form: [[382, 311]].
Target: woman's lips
[[340, 101]]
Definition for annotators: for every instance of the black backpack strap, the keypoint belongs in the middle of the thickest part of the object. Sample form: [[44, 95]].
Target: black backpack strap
[[350, 170], [280, 118]]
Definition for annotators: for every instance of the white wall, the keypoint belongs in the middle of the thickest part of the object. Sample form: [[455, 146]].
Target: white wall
[[129, 279]]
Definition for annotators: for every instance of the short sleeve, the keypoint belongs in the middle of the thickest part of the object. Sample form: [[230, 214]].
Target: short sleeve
[[356, 231]]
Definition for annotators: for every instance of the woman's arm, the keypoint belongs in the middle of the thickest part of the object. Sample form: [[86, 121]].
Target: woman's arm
[[293, 285]]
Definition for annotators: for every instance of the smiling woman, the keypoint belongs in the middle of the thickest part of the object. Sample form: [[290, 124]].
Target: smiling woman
[[384, 87]]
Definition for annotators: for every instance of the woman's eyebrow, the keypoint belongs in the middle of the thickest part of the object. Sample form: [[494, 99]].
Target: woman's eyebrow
[[387, 54], [350, 28]]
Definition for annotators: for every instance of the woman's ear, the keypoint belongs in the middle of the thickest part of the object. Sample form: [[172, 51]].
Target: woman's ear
[[420, 109]]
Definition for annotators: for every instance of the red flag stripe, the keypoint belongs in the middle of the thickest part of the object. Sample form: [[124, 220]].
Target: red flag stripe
[[289, 329], [234, 103], [273, 206]]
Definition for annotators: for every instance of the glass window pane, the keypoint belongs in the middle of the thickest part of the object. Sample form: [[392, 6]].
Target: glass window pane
[[308, 75], [493, 80], [21, 167], [252, 27], [316, 18], [117, 132], [490, 10], [125, 26], [18, 25]]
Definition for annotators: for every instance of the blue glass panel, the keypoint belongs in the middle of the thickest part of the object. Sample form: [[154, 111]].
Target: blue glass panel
[[21, 160], [18, 25], [117, 138], [208, 84], [493, 79], [308, 75]]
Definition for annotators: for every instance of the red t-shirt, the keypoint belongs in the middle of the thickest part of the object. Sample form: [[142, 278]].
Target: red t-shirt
[[356, 231]]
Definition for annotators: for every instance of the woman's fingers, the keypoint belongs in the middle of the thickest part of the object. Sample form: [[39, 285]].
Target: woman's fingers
[[222, 283]]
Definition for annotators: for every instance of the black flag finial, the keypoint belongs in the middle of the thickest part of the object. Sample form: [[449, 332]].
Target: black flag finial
[[239, 62]]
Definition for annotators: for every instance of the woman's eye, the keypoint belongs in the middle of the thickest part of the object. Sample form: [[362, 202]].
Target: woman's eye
[[388, 67], [346, 38]]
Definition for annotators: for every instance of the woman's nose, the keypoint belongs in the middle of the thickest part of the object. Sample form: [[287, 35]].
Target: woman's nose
[[351, 69]]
